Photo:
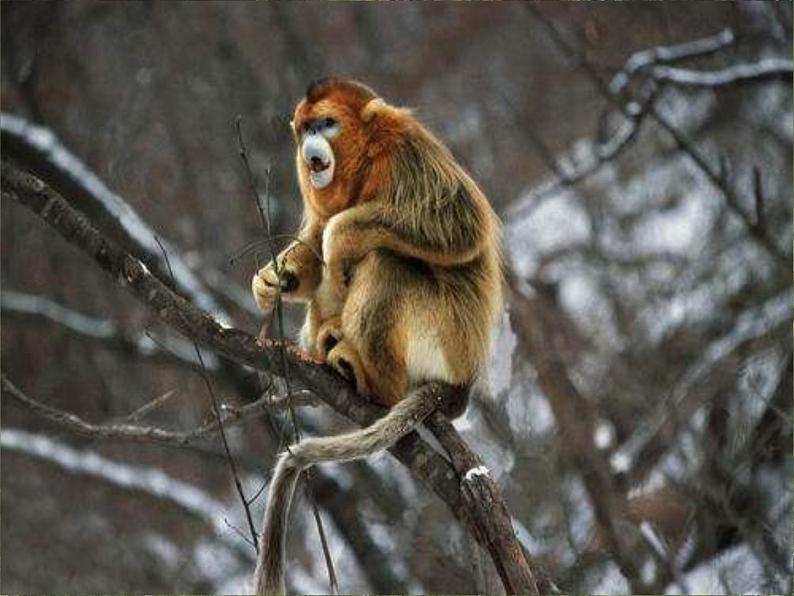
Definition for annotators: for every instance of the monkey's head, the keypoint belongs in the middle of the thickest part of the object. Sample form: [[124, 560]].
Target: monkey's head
[[332, 129]]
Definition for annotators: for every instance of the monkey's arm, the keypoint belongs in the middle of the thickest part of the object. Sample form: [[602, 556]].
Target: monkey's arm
[[299, 270], [449, 234], [417, 202]]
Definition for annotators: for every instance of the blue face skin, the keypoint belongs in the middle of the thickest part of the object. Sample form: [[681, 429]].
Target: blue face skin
[[328, 127], [317, 153]]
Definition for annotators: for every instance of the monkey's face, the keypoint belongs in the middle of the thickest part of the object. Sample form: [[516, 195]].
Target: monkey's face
[[331, 140], [315, 135]]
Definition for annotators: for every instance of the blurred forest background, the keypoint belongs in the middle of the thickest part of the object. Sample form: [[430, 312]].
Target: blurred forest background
[[639, 426]]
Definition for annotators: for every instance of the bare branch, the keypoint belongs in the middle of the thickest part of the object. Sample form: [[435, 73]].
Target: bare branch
[[765, 321], [135, 432], [477, 485], [270, 243], [634, 114], [642, 59], [763, 69], [217, 411], [759, 198], [150, 406], [40, 150], [602, 154], [535, 321]]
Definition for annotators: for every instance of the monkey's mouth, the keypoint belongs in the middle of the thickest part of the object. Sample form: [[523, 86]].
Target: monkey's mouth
[[317, 165], [319, 159]]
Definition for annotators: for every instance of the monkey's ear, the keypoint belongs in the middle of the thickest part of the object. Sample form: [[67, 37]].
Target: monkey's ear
[[372, 108]]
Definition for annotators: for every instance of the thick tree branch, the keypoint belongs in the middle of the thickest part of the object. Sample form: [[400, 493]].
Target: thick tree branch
[[39, 150], [492, 524], [241, 347]]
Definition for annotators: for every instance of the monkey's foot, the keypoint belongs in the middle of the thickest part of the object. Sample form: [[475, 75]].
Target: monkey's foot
[[345, 360], [329, 335]]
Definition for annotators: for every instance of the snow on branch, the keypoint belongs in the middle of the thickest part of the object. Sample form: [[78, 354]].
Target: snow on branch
[[647, 57], [766, 68], [714, 174], [760, 322], [149, 480], [40, 150]]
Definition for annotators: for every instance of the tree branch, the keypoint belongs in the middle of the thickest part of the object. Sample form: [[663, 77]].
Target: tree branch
[[305, 373], [151, 481], [39, 150], [645, 58], [611, 148], [492, 524], [620, 102], [136, 432], [763, 69], [104, 332]]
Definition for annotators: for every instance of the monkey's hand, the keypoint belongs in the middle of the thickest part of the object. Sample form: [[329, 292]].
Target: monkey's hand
[[294, 275], [267, 285]]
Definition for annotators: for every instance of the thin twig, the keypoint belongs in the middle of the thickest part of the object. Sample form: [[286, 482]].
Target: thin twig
[[758, 196], [131, 432], [221, 431], [260, 491], [255, 244], [149, 406], [239, 532]]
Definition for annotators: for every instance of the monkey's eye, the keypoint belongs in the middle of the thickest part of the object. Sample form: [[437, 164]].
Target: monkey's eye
[[329, 128]]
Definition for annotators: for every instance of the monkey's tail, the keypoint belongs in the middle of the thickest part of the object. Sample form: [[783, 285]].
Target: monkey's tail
[[381, 434]]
